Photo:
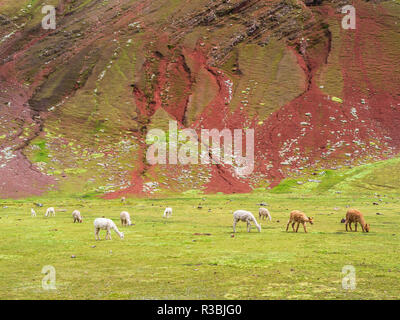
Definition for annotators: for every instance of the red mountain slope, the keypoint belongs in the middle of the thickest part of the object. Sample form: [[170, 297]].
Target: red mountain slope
[[77, 102]]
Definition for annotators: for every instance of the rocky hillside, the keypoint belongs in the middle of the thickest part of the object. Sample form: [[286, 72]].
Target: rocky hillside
[[77, 102]]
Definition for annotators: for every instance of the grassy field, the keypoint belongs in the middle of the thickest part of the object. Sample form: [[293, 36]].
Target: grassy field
[[194, 256]]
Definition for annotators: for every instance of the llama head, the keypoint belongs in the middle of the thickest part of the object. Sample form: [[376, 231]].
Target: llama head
[[311, 220], [80, 220], [366, 227], [121, 235]]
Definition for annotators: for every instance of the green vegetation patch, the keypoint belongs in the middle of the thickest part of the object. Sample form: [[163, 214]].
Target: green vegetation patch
[[41, 154]]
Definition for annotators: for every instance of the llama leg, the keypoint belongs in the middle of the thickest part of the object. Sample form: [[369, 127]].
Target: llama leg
[[287, 226], [350, 226], [298, 224], [248, 226], [96, 233], [304, 226], [293, 226], [355, 226], [347, 223]]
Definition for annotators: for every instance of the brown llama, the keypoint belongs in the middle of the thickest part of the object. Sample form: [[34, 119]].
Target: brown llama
[[299, 217], [356, 216]]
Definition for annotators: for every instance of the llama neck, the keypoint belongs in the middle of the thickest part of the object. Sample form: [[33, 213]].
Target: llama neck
[[256, 223], [116, 230], [362, 221]]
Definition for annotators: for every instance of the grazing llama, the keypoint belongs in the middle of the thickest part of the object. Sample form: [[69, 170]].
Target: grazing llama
[[263, 213], [50, 212], [299, 217], [125, 218], [245, 216], [167, 213], [77, 216], [356, 216], [106, 224]]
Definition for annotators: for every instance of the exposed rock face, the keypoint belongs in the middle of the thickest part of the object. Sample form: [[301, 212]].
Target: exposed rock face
[[77, 102]]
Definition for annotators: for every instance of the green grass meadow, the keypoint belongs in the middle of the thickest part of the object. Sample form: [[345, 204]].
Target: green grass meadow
[[193, 254]]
